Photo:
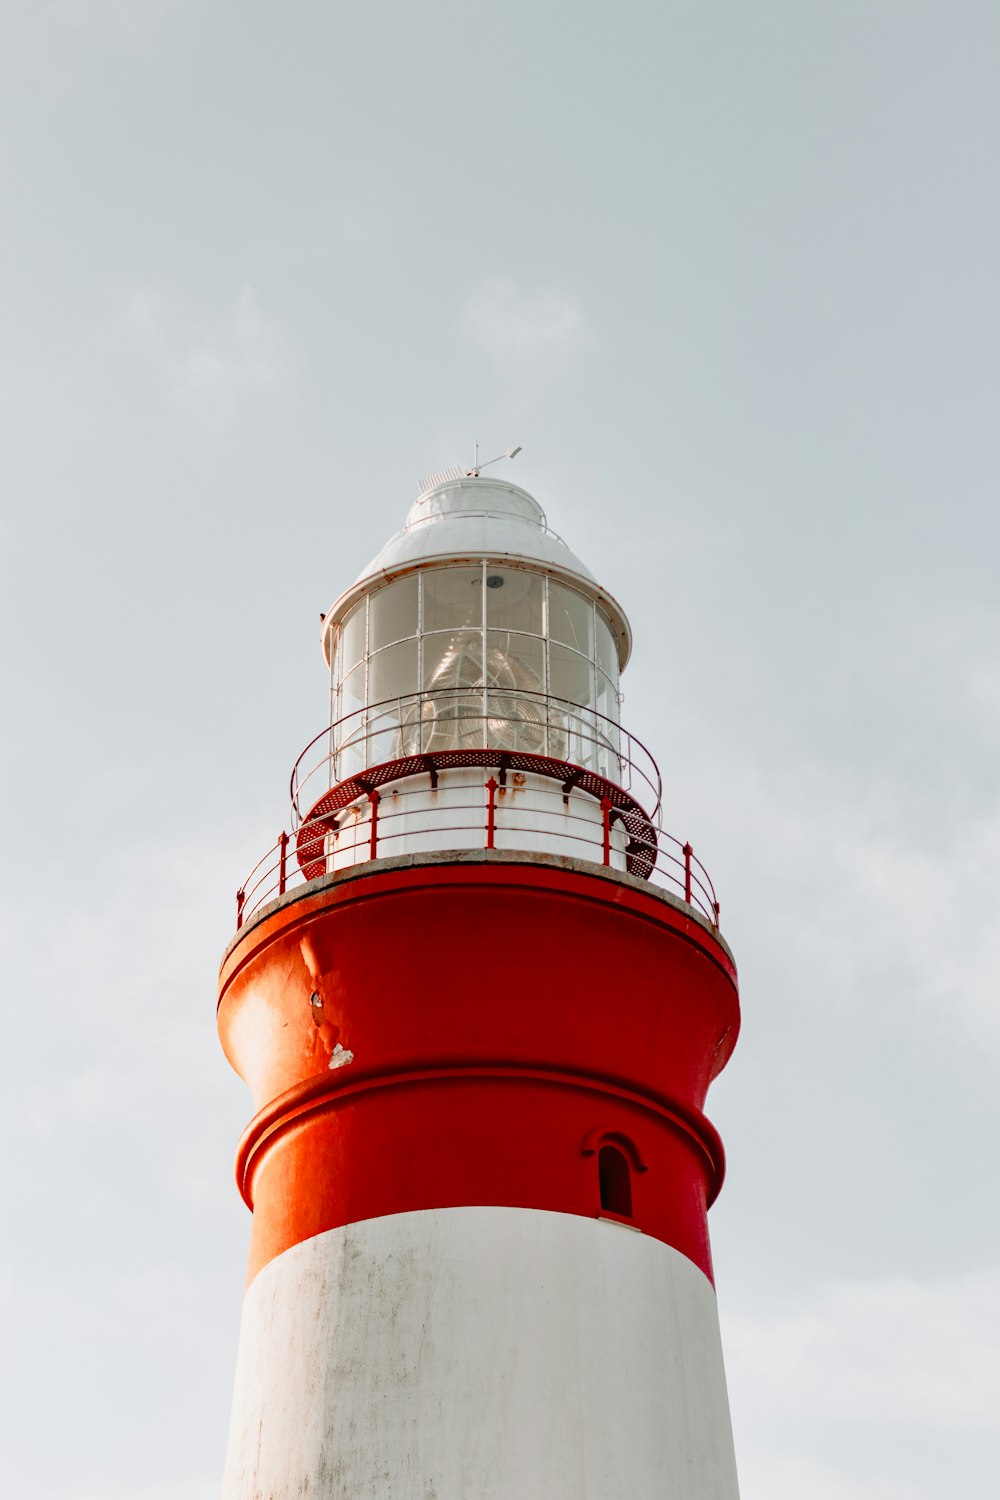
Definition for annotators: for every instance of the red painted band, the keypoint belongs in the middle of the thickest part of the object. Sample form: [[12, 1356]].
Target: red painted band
[[443, 1140], [443, 1033], [321, 1093], [496, 867]]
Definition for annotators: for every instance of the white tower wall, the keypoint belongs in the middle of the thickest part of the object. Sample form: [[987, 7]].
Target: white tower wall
[[481, 1354]]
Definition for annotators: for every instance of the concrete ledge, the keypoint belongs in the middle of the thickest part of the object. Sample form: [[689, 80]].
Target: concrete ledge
[[475, 857]]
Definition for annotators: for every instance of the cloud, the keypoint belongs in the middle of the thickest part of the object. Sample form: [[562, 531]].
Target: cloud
[[776, 1475], [55, 40], [894, 1352], [129, 991], [887, 909], [517, 328], [134, 1342], [212, 368], [192, 1489], [824, 1389], [130, 18], [126, 1237]]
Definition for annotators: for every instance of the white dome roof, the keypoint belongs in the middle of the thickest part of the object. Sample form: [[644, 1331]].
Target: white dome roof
[[471, 518], [475, 518]]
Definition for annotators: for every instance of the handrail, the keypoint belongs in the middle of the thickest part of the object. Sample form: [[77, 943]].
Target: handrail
[[453, 718], [669, 862]]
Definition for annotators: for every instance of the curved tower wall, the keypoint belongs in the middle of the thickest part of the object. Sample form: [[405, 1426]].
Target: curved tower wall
[[479, 1171]]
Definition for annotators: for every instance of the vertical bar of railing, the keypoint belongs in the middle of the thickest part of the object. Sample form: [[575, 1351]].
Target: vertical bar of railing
[[491, 811], [485, 651], [606, 820], [240, 901], [282, 862], [374, 799], [688, 851]]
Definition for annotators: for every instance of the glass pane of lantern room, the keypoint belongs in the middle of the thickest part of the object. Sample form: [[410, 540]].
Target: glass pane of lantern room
[[607, 704], [351, 640], [571, 618], [453, 661], [392, 675], [455, 722], [515, 698], [570, 676], [607, 647], [452, 709], [453, 598], [352, 697], [351, 725], [514, 599], [515, 661], [571, 723], [393, 613], [608, 739]]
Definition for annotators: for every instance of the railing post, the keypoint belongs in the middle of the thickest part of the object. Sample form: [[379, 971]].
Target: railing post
[[240, 900], [374, 799], [606, 806], [491, 810], [688, 851], [282, 862]]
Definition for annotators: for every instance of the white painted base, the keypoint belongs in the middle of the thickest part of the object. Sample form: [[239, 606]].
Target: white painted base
[[480, 1354]]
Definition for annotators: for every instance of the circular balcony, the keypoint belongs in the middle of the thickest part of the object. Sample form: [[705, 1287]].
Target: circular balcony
[[446, 721], [476, 768]]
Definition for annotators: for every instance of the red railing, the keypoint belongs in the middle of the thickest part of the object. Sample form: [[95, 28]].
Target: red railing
[[457, 719], [570, 821]]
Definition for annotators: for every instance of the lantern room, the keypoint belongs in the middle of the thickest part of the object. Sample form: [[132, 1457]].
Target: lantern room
[[475, 626], [475, 641]]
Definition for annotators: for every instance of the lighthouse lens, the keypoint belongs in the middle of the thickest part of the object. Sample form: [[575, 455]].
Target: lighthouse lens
[[416, 671]]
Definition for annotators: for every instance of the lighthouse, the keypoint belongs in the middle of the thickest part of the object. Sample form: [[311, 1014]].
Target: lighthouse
[[478, 992]]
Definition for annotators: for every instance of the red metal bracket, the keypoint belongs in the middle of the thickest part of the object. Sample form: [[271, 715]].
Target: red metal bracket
[[606, 806], [374, 798], [282, 863], [491, 811]]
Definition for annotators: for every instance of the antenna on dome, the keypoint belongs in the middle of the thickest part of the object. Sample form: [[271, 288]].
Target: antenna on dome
[[477, 467]]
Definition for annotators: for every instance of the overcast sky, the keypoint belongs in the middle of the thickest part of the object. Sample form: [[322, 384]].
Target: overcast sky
[[728, 272]]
